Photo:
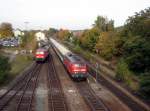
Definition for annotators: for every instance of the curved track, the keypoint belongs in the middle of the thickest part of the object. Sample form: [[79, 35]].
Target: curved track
[[26, 82]]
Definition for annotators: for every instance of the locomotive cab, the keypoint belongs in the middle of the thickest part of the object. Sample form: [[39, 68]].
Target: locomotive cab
[[41, 54]]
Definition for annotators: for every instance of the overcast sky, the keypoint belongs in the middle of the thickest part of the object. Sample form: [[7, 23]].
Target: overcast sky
[[70, 14]]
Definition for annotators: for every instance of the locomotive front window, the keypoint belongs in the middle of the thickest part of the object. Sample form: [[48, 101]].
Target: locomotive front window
[[39, 52], [77, 65]]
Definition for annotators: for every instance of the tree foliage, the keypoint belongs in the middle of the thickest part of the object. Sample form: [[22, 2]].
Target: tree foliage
[[6, 30], [103, 24], [137, 43], [106, 44], [137, 54], [51, 32], [123, 72], [4, 68], [139, 24], [64, 34], [136, 47], [89, 38], [29, 40], [145, 85], [129, 44]]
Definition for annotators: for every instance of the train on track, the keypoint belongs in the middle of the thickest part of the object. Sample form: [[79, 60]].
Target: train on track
[[41, 54], [74, 64]]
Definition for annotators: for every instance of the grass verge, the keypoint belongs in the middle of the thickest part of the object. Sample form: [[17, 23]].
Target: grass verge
[[19, 64]]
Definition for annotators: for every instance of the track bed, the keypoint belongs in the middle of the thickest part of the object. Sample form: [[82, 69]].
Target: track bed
[[19, 97], [56, 99]]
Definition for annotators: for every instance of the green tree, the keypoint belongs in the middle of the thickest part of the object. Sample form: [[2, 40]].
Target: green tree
[[64, 34], [6, 30], [145, 85], [103, 24], [122, 72], [137, 54], [136, 47], [51, 32], [139, 24], [106, 44], [89, 38], [4, 68]]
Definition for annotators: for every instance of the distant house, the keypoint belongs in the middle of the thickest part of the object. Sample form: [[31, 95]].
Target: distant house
[[40, 36], [18, 33]]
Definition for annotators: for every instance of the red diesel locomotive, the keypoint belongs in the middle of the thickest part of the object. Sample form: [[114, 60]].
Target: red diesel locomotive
[[41, 54], [76, 66]]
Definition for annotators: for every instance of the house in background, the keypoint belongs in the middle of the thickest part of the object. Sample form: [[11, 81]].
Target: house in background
[[40, 36], [18, 33]]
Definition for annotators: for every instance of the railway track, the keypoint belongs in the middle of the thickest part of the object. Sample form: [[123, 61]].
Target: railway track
[[94, 102], [120, 94], [25, 100], [18, 91], [56, 99], [90, 97], [132, 101]]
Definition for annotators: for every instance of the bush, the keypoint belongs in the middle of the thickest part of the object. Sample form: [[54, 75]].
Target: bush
[[137, 54], [106, 45], [4, 68], [30, 58], [77, 48], [122, 72], [145, 85]]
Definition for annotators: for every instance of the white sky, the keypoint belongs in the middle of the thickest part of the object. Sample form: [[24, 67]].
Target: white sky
[[70, 14]]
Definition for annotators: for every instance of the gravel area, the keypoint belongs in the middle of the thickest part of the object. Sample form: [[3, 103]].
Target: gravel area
[[41, 95], [109, 99]]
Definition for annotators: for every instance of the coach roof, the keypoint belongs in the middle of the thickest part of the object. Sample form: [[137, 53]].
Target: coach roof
[[74, 58]]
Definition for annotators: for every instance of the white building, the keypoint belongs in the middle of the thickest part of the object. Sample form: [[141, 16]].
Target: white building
[[40, 36], [18, 33]]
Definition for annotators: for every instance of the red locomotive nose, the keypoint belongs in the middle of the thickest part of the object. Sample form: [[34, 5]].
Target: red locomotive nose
[[39, 56], [79, 68]]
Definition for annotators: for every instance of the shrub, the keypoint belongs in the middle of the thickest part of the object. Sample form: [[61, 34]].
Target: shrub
[[122, 72], [4, 68], [77, 48], [106, 45], [145, 85]]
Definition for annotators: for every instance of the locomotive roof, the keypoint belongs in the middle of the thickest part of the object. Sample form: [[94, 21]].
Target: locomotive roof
[[41, 49], [74, 58]]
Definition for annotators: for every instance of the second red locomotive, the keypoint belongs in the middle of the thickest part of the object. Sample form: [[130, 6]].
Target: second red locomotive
[[41, 54], [76, 66]]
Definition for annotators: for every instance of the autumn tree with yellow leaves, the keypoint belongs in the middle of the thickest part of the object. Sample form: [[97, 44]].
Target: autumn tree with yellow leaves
[[6, 30]]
